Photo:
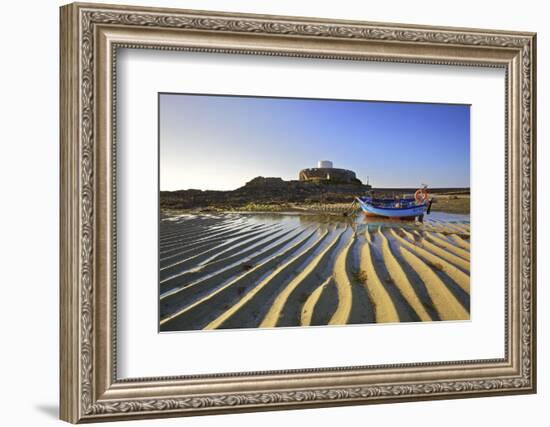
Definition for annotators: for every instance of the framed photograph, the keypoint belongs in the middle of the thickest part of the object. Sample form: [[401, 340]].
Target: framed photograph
[[266, 212]]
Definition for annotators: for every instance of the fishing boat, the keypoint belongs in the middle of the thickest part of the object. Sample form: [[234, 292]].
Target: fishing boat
[[404, 207]]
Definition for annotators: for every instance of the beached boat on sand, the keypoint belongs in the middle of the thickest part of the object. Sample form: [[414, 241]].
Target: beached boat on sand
[[400, 207]]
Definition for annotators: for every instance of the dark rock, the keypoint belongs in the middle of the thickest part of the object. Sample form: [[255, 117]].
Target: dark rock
[[262, 190]]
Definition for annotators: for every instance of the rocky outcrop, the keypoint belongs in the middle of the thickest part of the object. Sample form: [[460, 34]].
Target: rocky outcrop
[[264, 190], [276, 191]]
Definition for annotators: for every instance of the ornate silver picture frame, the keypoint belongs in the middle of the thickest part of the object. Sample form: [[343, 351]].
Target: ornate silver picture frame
[[91, 35]]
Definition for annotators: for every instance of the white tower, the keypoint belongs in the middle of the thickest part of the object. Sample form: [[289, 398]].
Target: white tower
[[324, 164]]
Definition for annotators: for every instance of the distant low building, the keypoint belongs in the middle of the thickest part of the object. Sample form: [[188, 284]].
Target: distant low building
[[325, 172]]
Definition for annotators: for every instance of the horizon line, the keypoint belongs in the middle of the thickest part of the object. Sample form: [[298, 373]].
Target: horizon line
[[372, 187]]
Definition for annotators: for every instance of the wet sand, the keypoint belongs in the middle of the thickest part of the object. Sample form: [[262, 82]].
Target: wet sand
[[251, 270]]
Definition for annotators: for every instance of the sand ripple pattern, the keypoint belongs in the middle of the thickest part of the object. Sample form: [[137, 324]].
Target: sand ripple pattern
[[228, 271]]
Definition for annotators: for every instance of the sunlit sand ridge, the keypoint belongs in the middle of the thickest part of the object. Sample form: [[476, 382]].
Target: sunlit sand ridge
[[227, 271]]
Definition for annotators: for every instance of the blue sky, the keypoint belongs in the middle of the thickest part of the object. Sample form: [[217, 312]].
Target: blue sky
[[221, 142]]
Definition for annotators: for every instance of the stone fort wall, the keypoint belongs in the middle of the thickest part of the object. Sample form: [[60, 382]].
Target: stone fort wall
[[329, 174]]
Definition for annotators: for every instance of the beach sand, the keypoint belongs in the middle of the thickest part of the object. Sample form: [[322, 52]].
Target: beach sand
[[252, 270]]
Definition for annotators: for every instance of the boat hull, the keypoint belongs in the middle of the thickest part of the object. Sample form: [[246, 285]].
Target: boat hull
[[389, 212]]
